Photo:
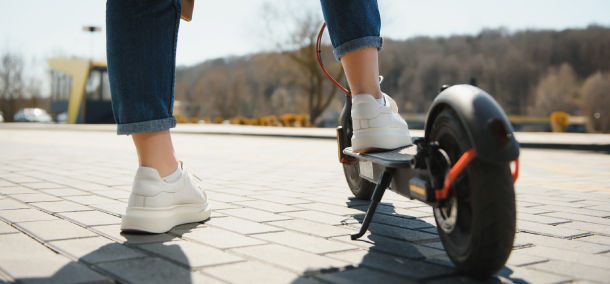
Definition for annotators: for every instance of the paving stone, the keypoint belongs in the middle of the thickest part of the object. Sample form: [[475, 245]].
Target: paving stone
[[409, 268], [16, 190], [288, 194], [50, 269], [37, 197], [43, 185], [90, 186], [95, 250], [252, 272], [292, 259], [517, 258], [398, 233], [17, 246], [65, 192], [254, 215], [114, 232], [60, 206], [235, 191], [242, 226], [268, 206], [605, 208], [581, 211], [551, 242], [570, 256], [91, 218], [322, 217], [113, 194], [578, 217], [4, 183], [219, 205], [362, 276], [547, 230], [91, 200], [397, 221], [226, 197], [337, 201], [118, 209], [466, 280], [575, 270], [305, 242], [281, 199], [23, 179], [7, 229], [24, 215], [313, 228], [543, 219], [54, 230], [219, 238], [185, 228], [393, 246], [152, 270], [190, 254], [7, 204], [251, 187], [600, 240], [588, 227], [532, 210], [398, 212], [328, 208]]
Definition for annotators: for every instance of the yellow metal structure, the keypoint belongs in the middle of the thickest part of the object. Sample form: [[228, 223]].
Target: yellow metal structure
[[79, 70]]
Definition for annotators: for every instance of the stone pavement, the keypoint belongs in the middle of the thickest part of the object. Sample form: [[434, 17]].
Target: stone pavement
[[282, 214]]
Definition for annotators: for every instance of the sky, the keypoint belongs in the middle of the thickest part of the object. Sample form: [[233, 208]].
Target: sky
[[41, 29]]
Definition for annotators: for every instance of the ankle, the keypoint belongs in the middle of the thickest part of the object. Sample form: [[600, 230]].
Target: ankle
[[165, 168]]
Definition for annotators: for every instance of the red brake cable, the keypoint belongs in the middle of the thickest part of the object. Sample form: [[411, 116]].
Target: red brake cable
[[318, 52]]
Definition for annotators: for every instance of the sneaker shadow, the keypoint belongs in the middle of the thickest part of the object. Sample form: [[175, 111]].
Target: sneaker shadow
[[398, 254]]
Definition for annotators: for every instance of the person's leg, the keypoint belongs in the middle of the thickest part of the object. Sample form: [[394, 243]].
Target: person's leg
[[155, 150], [362, 71], [141, 45], [354, 27]]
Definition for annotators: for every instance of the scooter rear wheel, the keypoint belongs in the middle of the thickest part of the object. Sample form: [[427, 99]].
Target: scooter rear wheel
[[360, 187], [477, 221]]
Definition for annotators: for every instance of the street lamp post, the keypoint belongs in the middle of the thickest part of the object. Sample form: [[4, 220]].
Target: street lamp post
[[91, 29]]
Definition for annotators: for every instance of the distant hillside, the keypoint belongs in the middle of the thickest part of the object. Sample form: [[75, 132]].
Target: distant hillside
[[529, 72]]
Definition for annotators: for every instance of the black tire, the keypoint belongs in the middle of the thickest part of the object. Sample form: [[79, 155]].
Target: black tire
[[481, 240], [360, 187]]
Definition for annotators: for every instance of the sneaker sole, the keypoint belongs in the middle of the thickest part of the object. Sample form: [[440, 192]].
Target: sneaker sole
[[379, 140], [161, 220]]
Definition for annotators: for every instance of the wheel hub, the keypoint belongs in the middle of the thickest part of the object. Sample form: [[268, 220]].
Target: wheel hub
[[446, 215]]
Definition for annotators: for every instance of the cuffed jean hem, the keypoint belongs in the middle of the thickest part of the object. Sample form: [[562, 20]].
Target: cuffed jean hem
[[356, 44], [146, 126]]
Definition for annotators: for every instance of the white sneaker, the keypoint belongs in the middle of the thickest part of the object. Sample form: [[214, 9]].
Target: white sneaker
[[376, 127], [156, 206]]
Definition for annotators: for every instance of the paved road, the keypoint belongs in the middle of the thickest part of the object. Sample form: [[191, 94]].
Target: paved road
[[282, 214]]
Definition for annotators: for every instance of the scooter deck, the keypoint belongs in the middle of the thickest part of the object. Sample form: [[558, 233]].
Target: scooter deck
[[403, 157]]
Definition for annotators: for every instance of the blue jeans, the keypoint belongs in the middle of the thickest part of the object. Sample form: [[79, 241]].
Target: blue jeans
[[141, 37]]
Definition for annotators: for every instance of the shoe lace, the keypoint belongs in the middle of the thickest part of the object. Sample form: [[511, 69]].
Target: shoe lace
[[191, 173]]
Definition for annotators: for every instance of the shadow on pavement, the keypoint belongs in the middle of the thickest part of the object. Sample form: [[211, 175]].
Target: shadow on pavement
[[409, 263]]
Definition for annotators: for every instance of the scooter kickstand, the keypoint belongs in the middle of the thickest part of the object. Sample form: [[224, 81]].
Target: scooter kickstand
[[382, 184]]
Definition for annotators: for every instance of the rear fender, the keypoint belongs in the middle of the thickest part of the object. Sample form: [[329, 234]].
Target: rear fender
[[477, 111]]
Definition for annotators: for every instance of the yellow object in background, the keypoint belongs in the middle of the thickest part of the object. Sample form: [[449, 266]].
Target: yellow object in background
[[560, 121]]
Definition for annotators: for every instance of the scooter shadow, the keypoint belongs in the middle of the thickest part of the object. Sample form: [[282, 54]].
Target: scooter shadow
[[416, 255]]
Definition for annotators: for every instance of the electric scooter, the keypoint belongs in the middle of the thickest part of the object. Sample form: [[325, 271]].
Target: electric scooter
[[461, 167]]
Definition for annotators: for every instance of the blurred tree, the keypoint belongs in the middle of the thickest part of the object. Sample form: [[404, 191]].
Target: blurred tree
[[11, 83], [556, 92], [293, 31], [596, 100]]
